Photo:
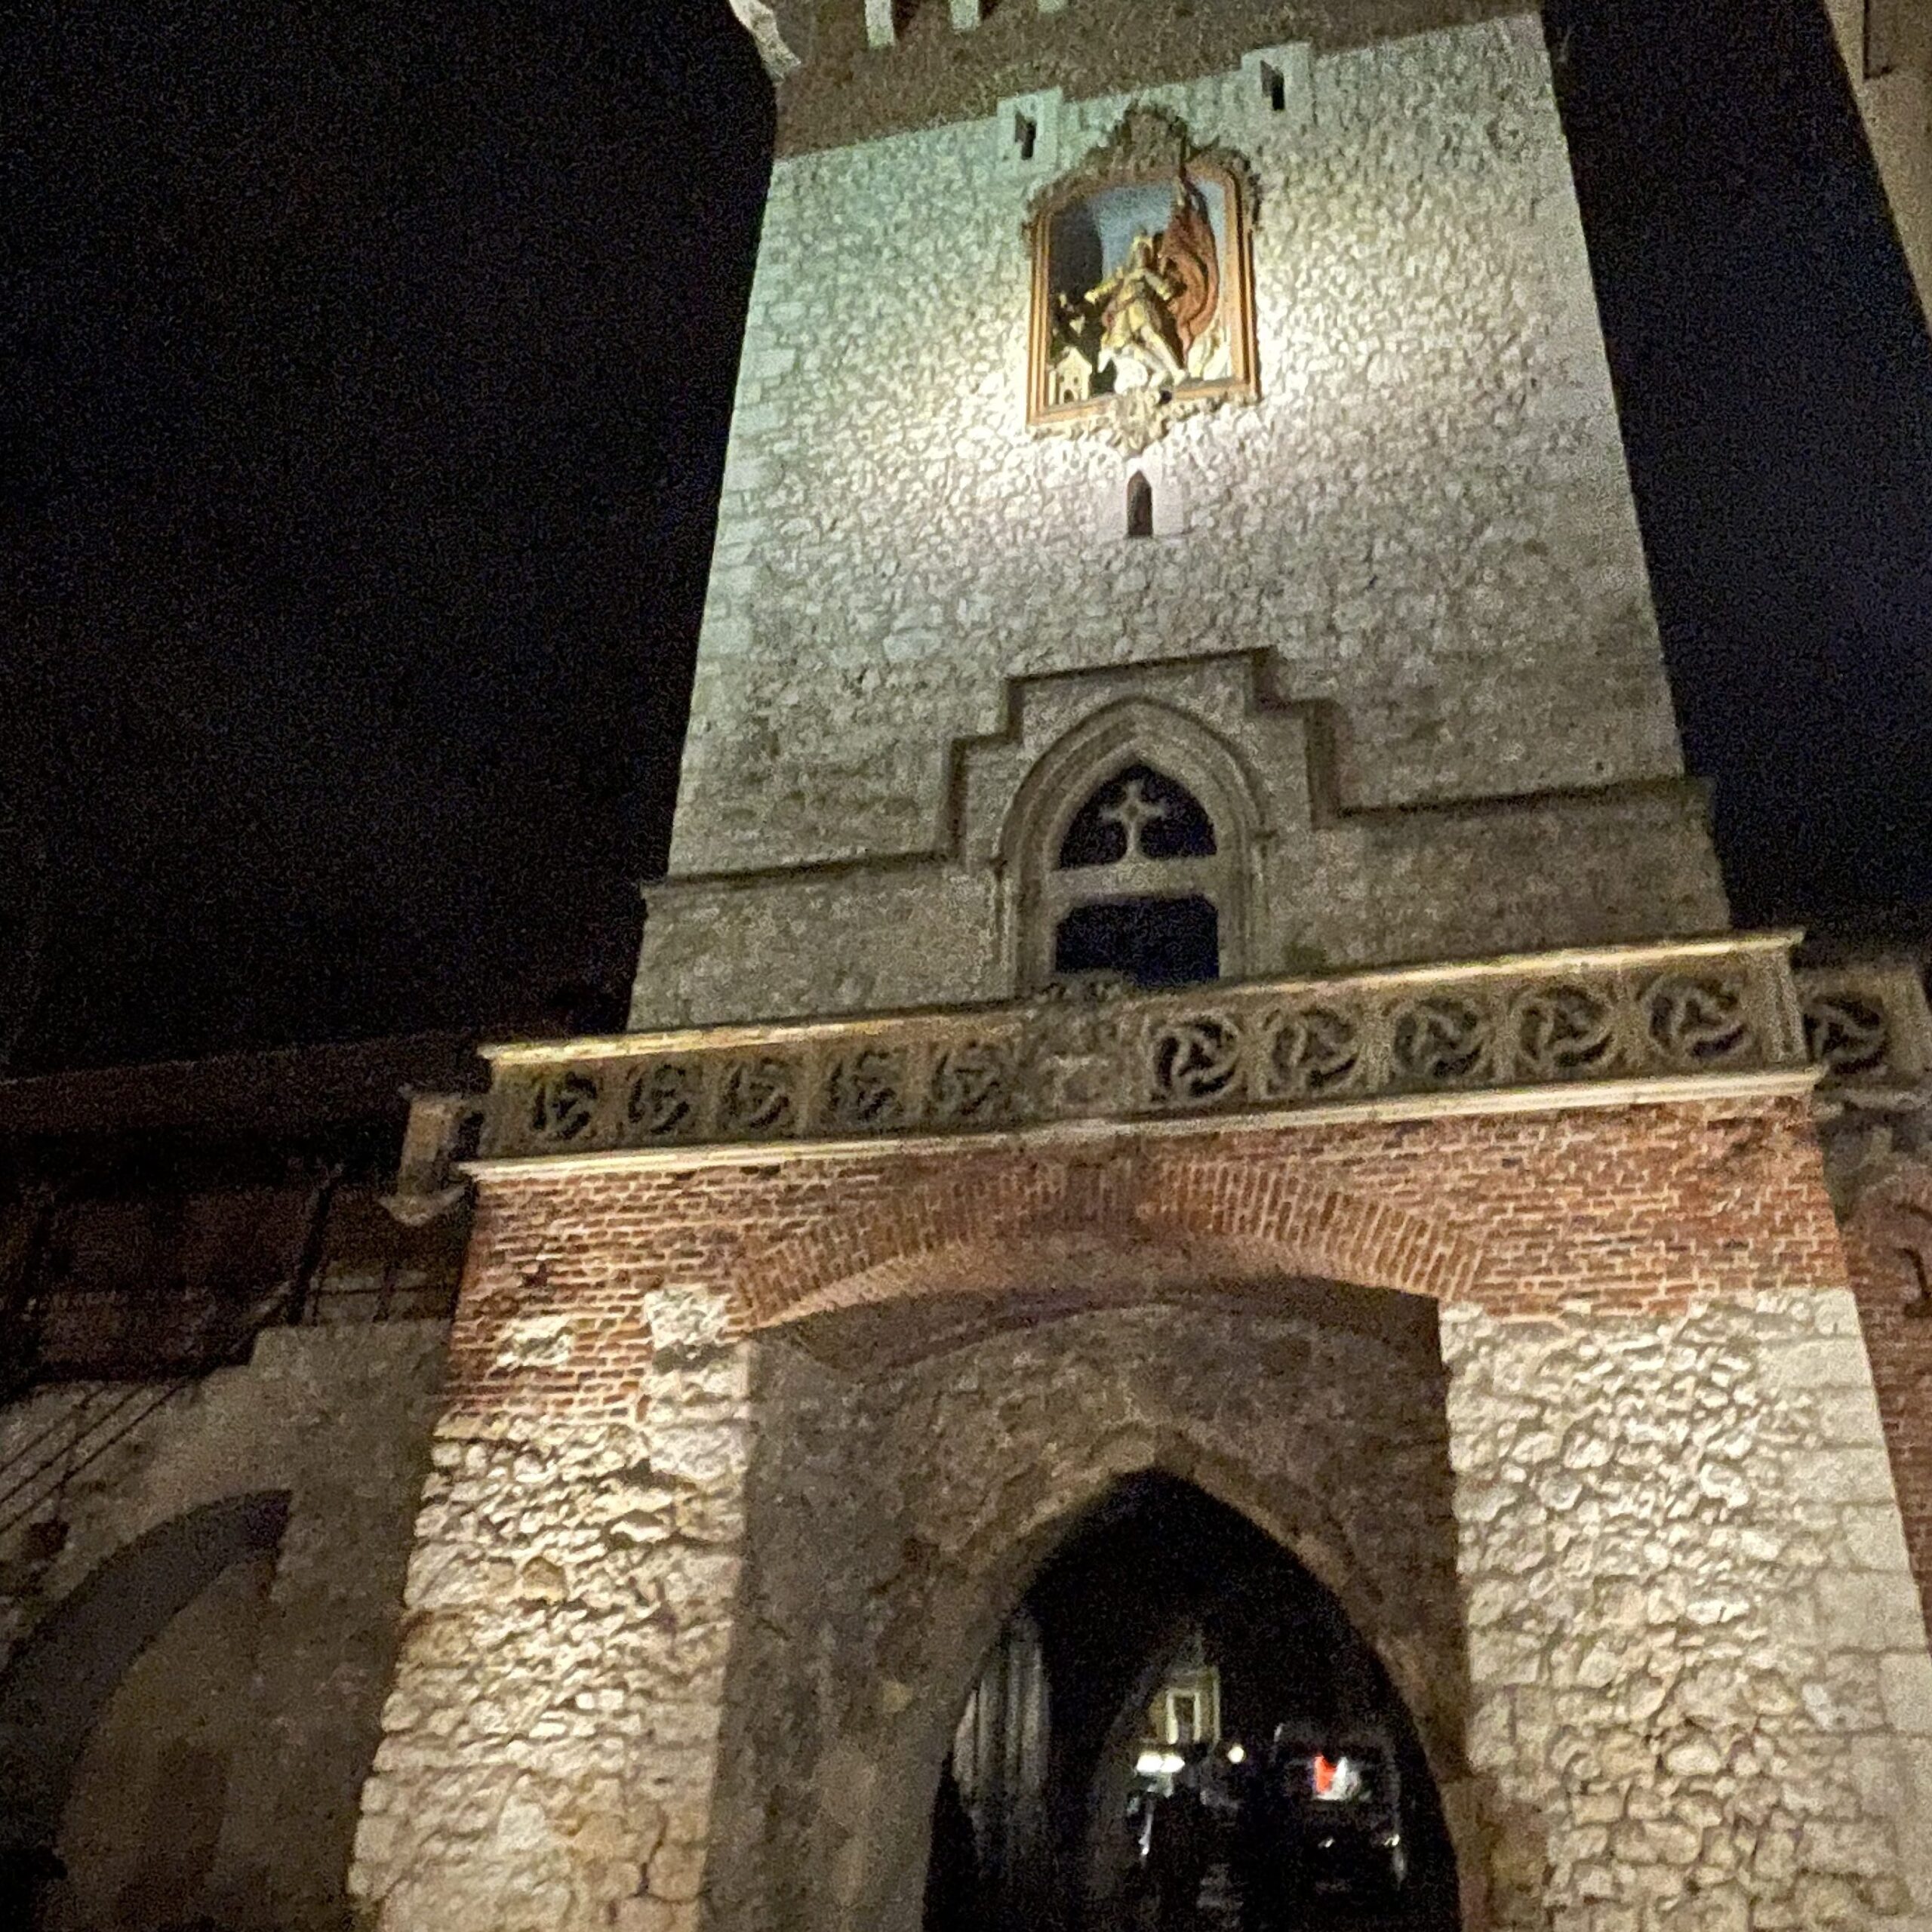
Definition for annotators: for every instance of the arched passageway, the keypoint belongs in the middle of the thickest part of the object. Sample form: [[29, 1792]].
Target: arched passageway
[[111, 1716], [1178, 1728]]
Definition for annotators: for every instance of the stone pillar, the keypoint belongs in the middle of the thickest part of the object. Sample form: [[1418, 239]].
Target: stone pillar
[[359, 1403], [881, 29], [551, 1742], [965, 14], [1701, 1691]]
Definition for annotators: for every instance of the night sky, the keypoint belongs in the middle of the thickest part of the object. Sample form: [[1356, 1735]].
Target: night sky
[[367, 372]]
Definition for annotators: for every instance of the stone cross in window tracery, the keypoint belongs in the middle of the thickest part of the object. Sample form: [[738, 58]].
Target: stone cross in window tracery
[[1134, 812]]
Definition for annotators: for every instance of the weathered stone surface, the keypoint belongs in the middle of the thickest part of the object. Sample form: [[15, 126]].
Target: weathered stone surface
[[845, 92], [1425, 521], [551, 1766], [1698, 1666], [338, 1418], [893, 1519]]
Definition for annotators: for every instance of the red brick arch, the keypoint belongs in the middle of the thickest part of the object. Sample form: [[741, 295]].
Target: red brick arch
[[1149, 1220]]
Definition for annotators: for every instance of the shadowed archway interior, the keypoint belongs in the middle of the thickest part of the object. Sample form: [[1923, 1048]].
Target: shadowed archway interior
[[1173, 1676]]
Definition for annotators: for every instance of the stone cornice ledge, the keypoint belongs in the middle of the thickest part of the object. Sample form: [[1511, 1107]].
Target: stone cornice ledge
[[1701, 1019], [1575, 1097]]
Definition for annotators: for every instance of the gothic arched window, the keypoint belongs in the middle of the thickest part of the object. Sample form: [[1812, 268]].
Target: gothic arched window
[[1136, 883], [1134, 847]]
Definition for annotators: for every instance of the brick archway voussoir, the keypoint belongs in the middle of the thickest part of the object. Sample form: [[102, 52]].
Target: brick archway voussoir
[[940, 1229]]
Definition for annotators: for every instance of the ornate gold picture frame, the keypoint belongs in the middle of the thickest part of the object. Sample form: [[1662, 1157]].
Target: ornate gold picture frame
[[1143, 284]]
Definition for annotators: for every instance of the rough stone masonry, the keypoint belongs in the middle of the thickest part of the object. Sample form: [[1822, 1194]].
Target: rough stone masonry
[[750, 1447], [1650, 1524], [1425, 520]]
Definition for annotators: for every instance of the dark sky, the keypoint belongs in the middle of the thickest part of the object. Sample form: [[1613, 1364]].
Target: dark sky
[[367, 368], [1774, 383]]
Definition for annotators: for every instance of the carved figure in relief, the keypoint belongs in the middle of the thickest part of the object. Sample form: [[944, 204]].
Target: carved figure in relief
[[1141, 313], [1137, 325], [1152, 321], [1154, 317]]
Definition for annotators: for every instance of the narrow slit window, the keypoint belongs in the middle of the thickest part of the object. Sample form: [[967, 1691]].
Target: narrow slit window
[[1274, 86], [1025, 134], [1140, 505]]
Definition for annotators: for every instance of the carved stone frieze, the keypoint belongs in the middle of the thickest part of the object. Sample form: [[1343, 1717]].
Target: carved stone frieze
[[1096, 1049], [1867, 1022]]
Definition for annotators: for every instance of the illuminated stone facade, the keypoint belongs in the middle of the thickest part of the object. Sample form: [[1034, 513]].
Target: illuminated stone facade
[[1406, 587], [1505, 1293]]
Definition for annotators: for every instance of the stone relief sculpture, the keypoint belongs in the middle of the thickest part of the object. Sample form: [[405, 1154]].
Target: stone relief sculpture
[[1141, 285]]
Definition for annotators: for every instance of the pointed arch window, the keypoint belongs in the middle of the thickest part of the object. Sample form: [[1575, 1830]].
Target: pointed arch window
[[1134, 847], [1136, 883]]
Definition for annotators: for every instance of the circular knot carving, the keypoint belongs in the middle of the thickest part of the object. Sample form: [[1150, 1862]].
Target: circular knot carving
[[1849, 1034], [1564, 1030], [562, 1105], [1696, 1021], [1316, 1050], [867, 1089], [1194, 1059], [1441, 1040], [972, 1081], [758, 1097], [661, 1101]]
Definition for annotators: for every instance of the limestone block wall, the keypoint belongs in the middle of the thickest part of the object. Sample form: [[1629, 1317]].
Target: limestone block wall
[[548, 1756], [1426, 520], [1698, 1675], [337, 1420], [895, 1517], [1702, 1690]]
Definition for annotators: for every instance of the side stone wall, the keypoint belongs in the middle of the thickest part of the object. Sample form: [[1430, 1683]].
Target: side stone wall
[[548, 1759], [338, 1418], [1888, 1247], [1701, 1688]]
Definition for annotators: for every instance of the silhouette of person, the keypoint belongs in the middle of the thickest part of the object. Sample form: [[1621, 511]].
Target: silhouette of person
[[953, 1871]]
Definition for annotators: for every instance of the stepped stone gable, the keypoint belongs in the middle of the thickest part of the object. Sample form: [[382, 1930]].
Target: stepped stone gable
[[1333, 879]]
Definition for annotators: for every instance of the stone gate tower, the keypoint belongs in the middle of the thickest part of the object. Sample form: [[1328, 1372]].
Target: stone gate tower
[[1189, 957]]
